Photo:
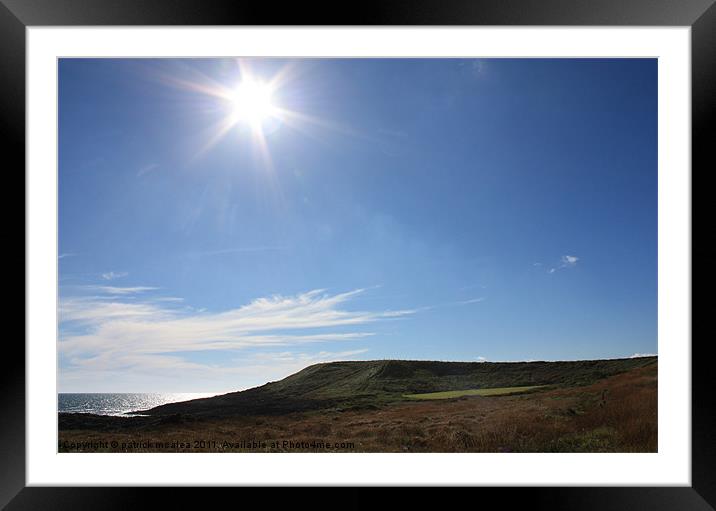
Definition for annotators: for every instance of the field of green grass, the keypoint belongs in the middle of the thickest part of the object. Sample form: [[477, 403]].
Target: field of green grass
[[450, 394]]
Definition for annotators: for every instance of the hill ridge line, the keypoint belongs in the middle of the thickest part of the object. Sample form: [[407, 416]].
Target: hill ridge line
[[374, 383]]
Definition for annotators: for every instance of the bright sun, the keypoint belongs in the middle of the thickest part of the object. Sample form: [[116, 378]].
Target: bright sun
[[252, 102]]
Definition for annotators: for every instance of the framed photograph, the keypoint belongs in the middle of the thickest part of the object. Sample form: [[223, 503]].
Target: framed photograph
[[423, 245]]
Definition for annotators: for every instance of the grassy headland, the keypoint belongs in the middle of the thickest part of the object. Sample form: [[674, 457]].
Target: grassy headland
[[581, 406]]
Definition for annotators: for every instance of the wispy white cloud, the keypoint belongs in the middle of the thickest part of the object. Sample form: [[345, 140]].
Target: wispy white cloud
[[111, 275], [449, 304], [479, 66], [474, 67], [566, 261], [114, 290], [639, 355], [94, 312], [100, 335], [472, 300], [569, 260]]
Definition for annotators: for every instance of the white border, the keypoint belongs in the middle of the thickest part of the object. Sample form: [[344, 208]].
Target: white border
[[670, 466]]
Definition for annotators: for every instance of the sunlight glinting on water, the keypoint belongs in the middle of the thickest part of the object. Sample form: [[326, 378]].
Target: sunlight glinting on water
[[120, 404]]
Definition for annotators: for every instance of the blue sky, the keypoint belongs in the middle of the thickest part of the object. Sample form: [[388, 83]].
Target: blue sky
[[447, 209]]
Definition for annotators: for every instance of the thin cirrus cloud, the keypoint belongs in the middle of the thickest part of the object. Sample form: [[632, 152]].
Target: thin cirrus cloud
[[150, 335], [566, 261], [115, 290], [472, 300], [111, 275]]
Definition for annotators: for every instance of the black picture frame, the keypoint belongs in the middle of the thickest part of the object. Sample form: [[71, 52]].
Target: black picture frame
[[700, 15]]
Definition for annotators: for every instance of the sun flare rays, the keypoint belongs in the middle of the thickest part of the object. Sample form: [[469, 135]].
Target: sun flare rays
[[249, 105], [248, 102]]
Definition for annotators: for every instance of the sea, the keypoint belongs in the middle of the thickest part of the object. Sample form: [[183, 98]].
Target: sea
[[119, 404]]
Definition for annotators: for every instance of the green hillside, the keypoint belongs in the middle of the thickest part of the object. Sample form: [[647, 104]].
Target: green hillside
[[372, 383]]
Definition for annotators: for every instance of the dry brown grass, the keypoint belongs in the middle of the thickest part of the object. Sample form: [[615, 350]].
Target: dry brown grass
[[617, 414]]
